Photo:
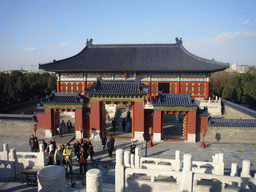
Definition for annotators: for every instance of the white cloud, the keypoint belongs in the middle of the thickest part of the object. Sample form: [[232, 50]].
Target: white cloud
[[246, 22], [30, 48], [63, 44], [236, 34]]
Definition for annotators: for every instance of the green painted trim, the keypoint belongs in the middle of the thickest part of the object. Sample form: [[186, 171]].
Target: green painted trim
[[62, 106], [119, 99], [175, 109]]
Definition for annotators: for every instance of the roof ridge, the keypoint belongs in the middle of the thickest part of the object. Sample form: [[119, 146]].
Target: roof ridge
[[213, 61], [131, 45]]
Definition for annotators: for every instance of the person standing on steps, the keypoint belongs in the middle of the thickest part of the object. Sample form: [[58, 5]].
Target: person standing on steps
[[114, 125], [123, 125], [128, 116], [69, 125], [62, 127]]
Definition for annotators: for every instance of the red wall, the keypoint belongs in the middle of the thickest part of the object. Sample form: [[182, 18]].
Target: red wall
[[191, 122], [157, 122], [138, 117], [95, 116]]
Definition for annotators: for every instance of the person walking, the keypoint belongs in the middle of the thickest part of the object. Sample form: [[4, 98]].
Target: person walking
[[82, 160], [103, 141], [58, 156], [31, 142], [50, 160], [90, 151], [69, 125], [110, 148], [67, 153], [123, 125], [114, 124], [132, 147]]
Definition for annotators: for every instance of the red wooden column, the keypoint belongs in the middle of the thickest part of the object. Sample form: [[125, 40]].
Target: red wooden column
[[157, 125], [191, 122], [138, 121], [207, 90], [48, 118], [95, 120]]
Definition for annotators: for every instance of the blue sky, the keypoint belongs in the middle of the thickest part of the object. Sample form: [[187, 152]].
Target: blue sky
[[39, 31]]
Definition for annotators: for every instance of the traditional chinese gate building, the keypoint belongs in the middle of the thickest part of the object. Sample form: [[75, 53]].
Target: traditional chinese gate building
[[137, 75]]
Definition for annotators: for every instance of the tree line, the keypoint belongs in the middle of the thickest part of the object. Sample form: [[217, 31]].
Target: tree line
[[239, 88], [17, 87]]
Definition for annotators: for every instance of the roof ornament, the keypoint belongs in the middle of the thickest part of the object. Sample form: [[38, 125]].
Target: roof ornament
[[89, 43], [178, 41]]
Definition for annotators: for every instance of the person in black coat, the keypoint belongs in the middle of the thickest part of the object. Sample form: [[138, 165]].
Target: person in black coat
[[50, 160], [90, 151], [31, 142], [104, 141], [123, 125], [110, 148], [114, 125], [76, 146], [83, 155]]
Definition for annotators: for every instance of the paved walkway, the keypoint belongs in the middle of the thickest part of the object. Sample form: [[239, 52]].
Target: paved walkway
[[232, 153]]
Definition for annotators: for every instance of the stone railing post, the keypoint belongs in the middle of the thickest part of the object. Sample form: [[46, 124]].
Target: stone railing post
[[246, 168], [127, 159], [41, 156], [93, 180], [177, 161], [234, 168], [51, 178], [221, 164], [119, 171], [187, 175], [137, 158], [5, 152], [13, 156], [132, 161]]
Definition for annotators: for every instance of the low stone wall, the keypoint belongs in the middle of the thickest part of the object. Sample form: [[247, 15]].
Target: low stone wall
[[18, 128], [235, 114], [231, 135]]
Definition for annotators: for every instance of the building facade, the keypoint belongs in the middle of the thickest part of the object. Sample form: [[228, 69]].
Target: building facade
[[134, 75]]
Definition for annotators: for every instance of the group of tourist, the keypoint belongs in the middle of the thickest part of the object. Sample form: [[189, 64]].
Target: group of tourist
[[61, 156], [114, 124], [34, 143], [62, 127], [83, 150]]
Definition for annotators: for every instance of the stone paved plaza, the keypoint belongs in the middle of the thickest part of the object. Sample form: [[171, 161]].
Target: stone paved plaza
[[233, 153]]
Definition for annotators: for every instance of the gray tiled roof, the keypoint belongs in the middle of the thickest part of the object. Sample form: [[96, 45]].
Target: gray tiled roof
[[65, 98], [174, 100], [203, 112], [232, 122], [135, 57], [114, 87]]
